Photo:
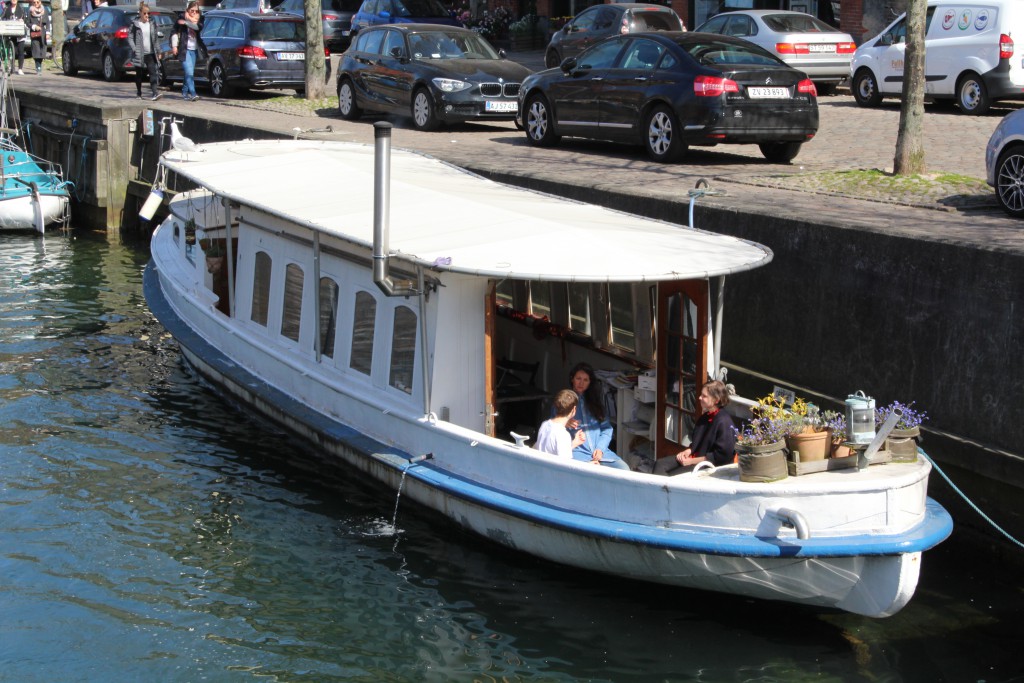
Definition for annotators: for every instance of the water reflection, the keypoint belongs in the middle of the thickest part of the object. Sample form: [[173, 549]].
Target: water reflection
[[151, 532]]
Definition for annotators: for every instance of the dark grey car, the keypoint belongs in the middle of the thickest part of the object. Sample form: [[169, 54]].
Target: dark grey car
[[336, 16], [596, 23], [249, 51], [100, 41]]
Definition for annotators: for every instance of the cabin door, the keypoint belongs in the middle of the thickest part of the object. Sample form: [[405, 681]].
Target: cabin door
[[682, 360]]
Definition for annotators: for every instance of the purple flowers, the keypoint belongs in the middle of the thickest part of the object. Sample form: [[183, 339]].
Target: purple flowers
[[909, 418]]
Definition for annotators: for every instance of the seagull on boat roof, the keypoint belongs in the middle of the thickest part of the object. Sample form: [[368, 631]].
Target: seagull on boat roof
[[180, 142]]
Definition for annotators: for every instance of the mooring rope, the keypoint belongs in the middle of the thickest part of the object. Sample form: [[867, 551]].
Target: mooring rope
[[970, 502]]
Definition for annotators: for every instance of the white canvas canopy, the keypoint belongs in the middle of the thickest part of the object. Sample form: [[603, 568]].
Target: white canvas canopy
[[449, 219]]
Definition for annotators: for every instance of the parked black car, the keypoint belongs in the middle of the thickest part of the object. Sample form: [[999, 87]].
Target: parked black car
[[100, 41], [667, 91], [433, 73], [598, 22], [249, 51], [336, 16]]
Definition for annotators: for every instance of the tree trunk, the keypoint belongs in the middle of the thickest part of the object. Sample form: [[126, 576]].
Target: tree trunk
[[909, 158], [316, 67], [57, 28]]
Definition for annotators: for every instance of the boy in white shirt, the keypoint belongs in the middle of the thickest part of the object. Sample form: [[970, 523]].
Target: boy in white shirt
[[553, 437]]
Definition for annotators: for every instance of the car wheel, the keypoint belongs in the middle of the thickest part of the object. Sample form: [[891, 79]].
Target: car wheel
[[663, 135], [67, 63], [780, 152], [110, 72], [1010, 181], [347, 107], [865, 89], [218, 81], [972, 95], [423, 117], [551, 59], [540, 122]]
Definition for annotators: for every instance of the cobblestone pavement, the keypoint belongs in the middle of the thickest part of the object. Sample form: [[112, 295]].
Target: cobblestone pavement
[[850, 137]]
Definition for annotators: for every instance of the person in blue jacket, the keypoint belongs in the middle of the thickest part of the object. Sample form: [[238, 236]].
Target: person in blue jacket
[[590, 418]]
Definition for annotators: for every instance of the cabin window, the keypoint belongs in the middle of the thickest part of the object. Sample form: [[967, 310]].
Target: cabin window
[[403, 349], [540, 300], [362, 333], [623, 331], [261, 288], [328, 315], [505, 293], [680, 398], [291, 313], [579, 308]]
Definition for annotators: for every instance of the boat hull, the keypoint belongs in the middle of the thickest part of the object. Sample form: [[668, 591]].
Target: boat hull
[[22, 212], [870, 574]]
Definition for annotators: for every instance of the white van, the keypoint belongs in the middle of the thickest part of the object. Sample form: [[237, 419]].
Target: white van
[[970, 56]]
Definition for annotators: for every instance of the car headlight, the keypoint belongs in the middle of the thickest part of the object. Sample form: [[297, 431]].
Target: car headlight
[[451, 85]]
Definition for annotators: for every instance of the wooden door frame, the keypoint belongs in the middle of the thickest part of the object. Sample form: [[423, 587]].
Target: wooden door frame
[[696, 291]]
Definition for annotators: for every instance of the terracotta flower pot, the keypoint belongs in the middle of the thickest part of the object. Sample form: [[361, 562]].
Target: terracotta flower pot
[[762, 464], [841, 451], [809, 446], [902, 444]]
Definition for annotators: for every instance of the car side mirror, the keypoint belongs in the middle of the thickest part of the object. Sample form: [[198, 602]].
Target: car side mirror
[[396, 52], [385, 15], [885, 39], [568, 64], [159, 34], [502, 54]]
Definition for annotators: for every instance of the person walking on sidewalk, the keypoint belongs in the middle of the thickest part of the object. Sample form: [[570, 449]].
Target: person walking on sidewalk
[[38, 22], [187, 45], [13, 12], [142, 38]]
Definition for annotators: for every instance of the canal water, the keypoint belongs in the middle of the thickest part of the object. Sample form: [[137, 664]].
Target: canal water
[[151, 532]]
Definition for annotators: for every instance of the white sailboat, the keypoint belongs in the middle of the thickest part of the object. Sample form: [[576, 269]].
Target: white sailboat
[[384, 332], [33, 192]]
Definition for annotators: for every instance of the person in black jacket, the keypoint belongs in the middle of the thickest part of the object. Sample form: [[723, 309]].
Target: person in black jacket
[[142, 39], [714, 435]]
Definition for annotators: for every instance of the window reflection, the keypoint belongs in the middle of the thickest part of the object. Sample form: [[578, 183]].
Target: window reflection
[[403, 349], [261, 288], [362, 333], [291, 314]]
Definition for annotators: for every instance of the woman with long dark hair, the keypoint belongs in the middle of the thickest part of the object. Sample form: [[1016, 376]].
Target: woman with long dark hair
[[590, 419]]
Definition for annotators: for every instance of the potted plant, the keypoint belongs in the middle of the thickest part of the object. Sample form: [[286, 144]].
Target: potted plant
[[835, 423], [523, 32], [761, 444], [807, 437], [902, 440]]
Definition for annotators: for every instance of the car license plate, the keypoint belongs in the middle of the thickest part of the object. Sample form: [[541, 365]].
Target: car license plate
[[491, 105], [291, 56], [768, 93], [821, 47]]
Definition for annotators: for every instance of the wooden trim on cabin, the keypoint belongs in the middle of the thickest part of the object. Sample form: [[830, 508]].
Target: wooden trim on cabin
[[682, 361], [490, 371]]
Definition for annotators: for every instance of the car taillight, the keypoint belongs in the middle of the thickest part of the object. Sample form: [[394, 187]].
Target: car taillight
[[713, 86], [121, 33], [252, 52], [327, 53], [807, 86], [1005, 46], [846, 48], [792, 48]]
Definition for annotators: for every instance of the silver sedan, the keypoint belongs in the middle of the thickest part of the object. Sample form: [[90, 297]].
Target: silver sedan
[[802, 41]]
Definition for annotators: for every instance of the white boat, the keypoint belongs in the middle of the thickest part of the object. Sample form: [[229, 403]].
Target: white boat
[[33, 192], [382, 334]]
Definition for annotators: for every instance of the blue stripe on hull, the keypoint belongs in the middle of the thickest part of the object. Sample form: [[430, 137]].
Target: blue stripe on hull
[[936, 526]]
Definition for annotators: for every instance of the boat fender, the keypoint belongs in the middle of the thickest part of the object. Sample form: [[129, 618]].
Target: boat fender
[[520, 439], [421, 458], [702, 466], [790, 519]]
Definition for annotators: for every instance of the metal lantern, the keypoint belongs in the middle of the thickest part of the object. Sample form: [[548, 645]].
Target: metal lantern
[[860, 418]]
